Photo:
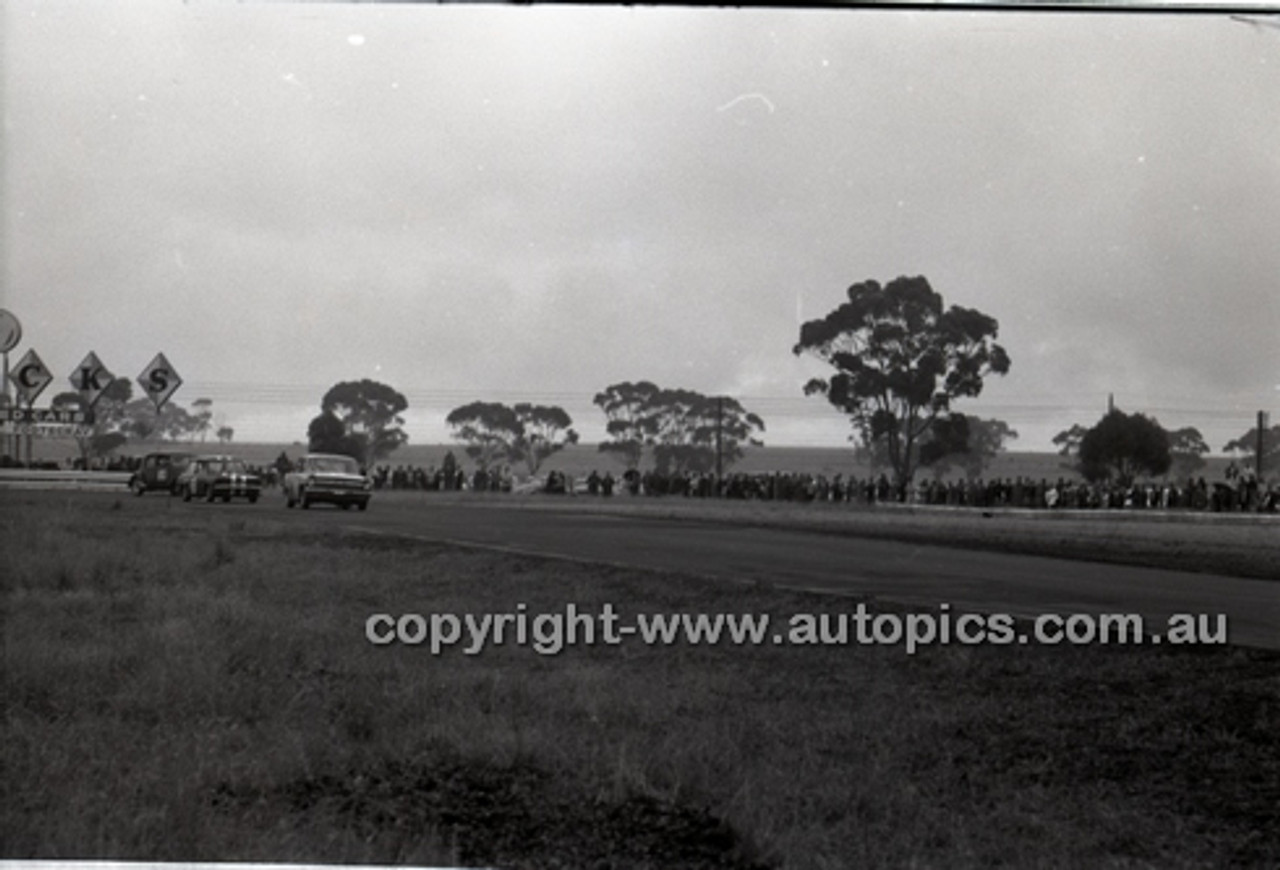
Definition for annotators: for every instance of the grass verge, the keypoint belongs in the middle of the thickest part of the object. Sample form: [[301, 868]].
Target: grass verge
[[181, 686], [1238, 545]]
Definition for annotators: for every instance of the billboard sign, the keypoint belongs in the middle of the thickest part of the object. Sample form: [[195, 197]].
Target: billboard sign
[[91, 379], [159, 380], [30, 376]]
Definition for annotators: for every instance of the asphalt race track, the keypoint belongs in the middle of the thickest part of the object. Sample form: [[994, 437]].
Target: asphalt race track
[[967, 580]]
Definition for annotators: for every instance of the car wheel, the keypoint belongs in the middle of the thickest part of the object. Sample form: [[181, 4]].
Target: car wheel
[[364, 505], [186, 493], [346, 505], [289, 500], [306, 502], [253, 498], [208, 496]]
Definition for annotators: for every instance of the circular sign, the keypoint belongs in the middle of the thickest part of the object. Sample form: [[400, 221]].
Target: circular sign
[[10, 331]]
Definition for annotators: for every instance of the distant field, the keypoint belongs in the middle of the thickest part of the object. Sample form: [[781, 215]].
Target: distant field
[[581, 459], [192, 682]]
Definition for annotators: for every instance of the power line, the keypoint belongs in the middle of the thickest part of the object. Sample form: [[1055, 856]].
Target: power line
[[312, 393]]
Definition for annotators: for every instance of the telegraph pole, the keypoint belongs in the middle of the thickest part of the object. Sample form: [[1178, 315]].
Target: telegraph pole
[[719, 418], [10, 336], [1264, 420], [4, 402]]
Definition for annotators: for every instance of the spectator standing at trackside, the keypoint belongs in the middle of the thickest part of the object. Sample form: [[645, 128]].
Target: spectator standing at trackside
[[283, 465]]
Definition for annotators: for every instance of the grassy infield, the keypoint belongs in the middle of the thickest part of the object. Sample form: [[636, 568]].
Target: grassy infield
[[193, 683]]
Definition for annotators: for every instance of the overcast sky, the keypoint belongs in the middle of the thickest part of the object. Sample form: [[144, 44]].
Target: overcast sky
[[531, 203]]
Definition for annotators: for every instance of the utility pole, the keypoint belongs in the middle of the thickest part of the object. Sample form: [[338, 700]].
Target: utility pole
[[9, 441], [719, 418], [1264, 421], [10, 336]]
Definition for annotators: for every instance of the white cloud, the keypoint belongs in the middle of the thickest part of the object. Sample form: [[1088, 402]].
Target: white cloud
[[553, 199]]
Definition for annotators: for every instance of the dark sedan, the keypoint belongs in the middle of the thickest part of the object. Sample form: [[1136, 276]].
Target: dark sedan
[[159, 471], [219, 477]]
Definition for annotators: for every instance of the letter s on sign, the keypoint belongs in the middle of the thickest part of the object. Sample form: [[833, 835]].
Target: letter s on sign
[[159, 379]]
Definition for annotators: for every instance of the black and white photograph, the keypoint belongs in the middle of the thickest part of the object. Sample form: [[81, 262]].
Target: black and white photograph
[[639, 437]]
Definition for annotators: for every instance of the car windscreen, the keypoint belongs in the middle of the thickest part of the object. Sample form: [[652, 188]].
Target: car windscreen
[[335, 465]]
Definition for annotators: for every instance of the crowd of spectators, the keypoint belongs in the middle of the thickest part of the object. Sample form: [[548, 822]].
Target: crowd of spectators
[[442, 479], [268, 473], [1239, 491], [110, 463]]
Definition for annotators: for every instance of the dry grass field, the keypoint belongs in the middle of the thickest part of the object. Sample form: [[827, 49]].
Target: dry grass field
[[193, 683]]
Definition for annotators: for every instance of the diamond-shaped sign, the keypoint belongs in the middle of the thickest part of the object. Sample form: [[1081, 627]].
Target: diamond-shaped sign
[[159, 380], [30, 376], [91, 379]]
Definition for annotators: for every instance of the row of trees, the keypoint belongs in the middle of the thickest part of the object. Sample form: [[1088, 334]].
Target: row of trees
[[975, 442], [683, 430], [119, 418], [901, 360], [1123, 446]]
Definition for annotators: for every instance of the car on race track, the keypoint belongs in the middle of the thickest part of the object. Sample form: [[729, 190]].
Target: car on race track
[[214, 477], [159, 472], [327, 478]]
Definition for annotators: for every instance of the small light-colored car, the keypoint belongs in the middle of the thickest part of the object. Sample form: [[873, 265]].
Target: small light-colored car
[[159, 472], [327, 478], [214, 477]]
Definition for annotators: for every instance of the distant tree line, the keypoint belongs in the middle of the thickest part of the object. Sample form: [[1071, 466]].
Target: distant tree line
[[119, 418], [1121, 447], [901, 359], [683, 430]]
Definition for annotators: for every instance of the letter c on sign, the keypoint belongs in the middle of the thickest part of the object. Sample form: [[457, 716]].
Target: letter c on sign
[[22, 376], [372, 624]]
